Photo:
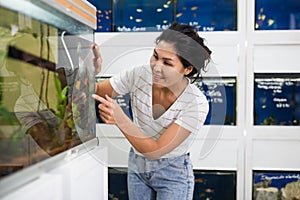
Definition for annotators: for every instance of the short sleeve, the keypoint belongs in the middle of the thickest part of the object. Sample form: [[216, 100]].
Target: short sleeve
[[124, 82]]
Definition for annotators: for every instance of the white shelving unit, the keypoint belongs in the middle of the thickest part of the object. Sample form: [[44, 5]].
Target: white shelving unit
[[270, 148]]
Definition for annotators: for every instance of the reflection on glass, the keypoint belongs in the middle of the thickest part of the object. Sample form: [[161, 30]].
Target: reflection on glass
[[277, 15], [137, 16], [276, 185], [277, 99], [221, 95], [44, 100], [208, 15]]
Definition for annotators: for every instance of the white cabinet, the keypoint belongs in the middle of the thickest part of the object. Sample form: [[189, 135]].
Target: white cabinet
[[78, 177]]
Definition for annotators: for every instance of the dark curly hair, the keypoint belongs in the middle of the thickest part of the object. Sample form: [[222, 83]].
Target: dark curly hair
[[189, 47]]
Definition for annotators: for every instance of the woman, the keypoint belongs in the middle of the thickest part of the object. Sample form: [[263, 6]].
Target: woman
[[168, 112]]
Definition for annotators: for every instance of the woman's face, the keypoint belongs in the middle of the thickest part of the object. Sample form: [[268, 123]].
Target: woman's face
[[167, 69]]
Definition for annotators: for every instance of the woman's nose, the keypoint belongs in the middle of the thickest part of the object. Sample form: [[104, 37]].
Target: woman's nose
[[157, 68]]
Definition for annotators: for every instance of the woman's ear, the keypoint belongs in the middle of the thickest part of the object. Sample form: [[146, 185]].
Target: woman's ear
[[188, 70]]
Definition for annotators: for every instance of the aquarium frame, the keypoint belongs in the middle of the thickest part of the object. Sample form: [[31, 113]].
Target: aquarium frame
[[49, 12]]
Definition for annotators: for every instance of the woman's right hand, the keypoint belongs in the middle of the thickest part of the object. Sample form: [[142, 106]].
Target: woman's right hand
[[110, 111], [97, 58]]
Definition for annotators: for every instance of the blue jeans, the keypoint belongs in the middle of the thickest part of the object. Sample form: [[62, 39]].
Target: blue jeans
[[161, 179]]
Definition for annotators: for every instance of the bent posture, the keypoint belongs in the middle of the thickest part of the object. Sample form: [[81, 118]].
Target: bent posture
[[168, 111]]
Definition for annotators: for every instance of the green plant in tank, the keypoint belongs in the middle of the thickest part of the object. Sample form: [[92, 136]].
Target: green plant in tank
[[62, 97], [7, 116], [270, 121], [64, 111]]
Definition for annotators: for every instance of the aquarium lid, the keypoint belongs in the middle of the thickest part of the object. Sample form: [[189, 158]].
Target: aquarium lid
[[77, 16]]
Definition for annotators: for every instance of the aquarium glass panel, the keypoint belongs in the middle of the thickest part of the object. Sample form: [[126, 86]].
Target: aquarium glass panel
[[214, 185], [221, 95], [117, 184], [277, 99], [208, 15], [277, 15], [209, 184], [104, 15], [157, 15], [141, 15], [46, 82], [276, 185]]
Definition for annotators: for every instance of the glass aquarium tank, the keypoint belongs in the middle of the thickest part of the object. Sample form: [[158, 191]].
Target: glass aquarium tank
[[207, 15], [277, 99], [221, 95], [275, 184], [104, 15], [210, 184], [157, 15], [277, 15], [141, 15], [46, 82], [117, 183]]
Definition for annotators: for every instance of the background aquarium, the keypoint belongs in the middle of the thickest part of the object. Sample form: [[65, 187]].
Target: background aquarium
[[220, 92], [277, 15], [279, 185], [277, 99], [157, 15], [221, 95], [208, 184], [104, 15], [117, 184], [214, 185], [142, 15], [207, 15], [46, 79], [123, 101]]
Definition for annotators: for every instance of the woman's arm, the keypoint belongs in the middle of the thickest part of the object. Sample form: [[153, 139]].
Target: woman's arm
[[112, 113], [102, 88]]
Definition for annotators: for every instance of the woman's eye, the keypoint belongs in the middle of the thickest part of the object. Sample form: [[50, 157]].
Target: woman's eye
[[166, 63], [155, 56]]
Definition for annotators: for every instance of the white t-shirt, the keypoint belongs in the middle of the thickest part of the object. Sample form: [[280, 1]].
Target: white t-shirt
[[189, 110]]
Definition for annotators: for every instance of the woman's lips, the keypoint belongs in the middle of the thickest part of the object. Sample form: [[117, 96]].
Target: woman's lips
[[157, 78]]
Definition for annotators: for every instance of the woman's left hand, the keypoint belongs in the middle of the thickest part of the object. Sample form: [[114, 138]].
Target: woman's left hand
[[110, 111], [97, 58]]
